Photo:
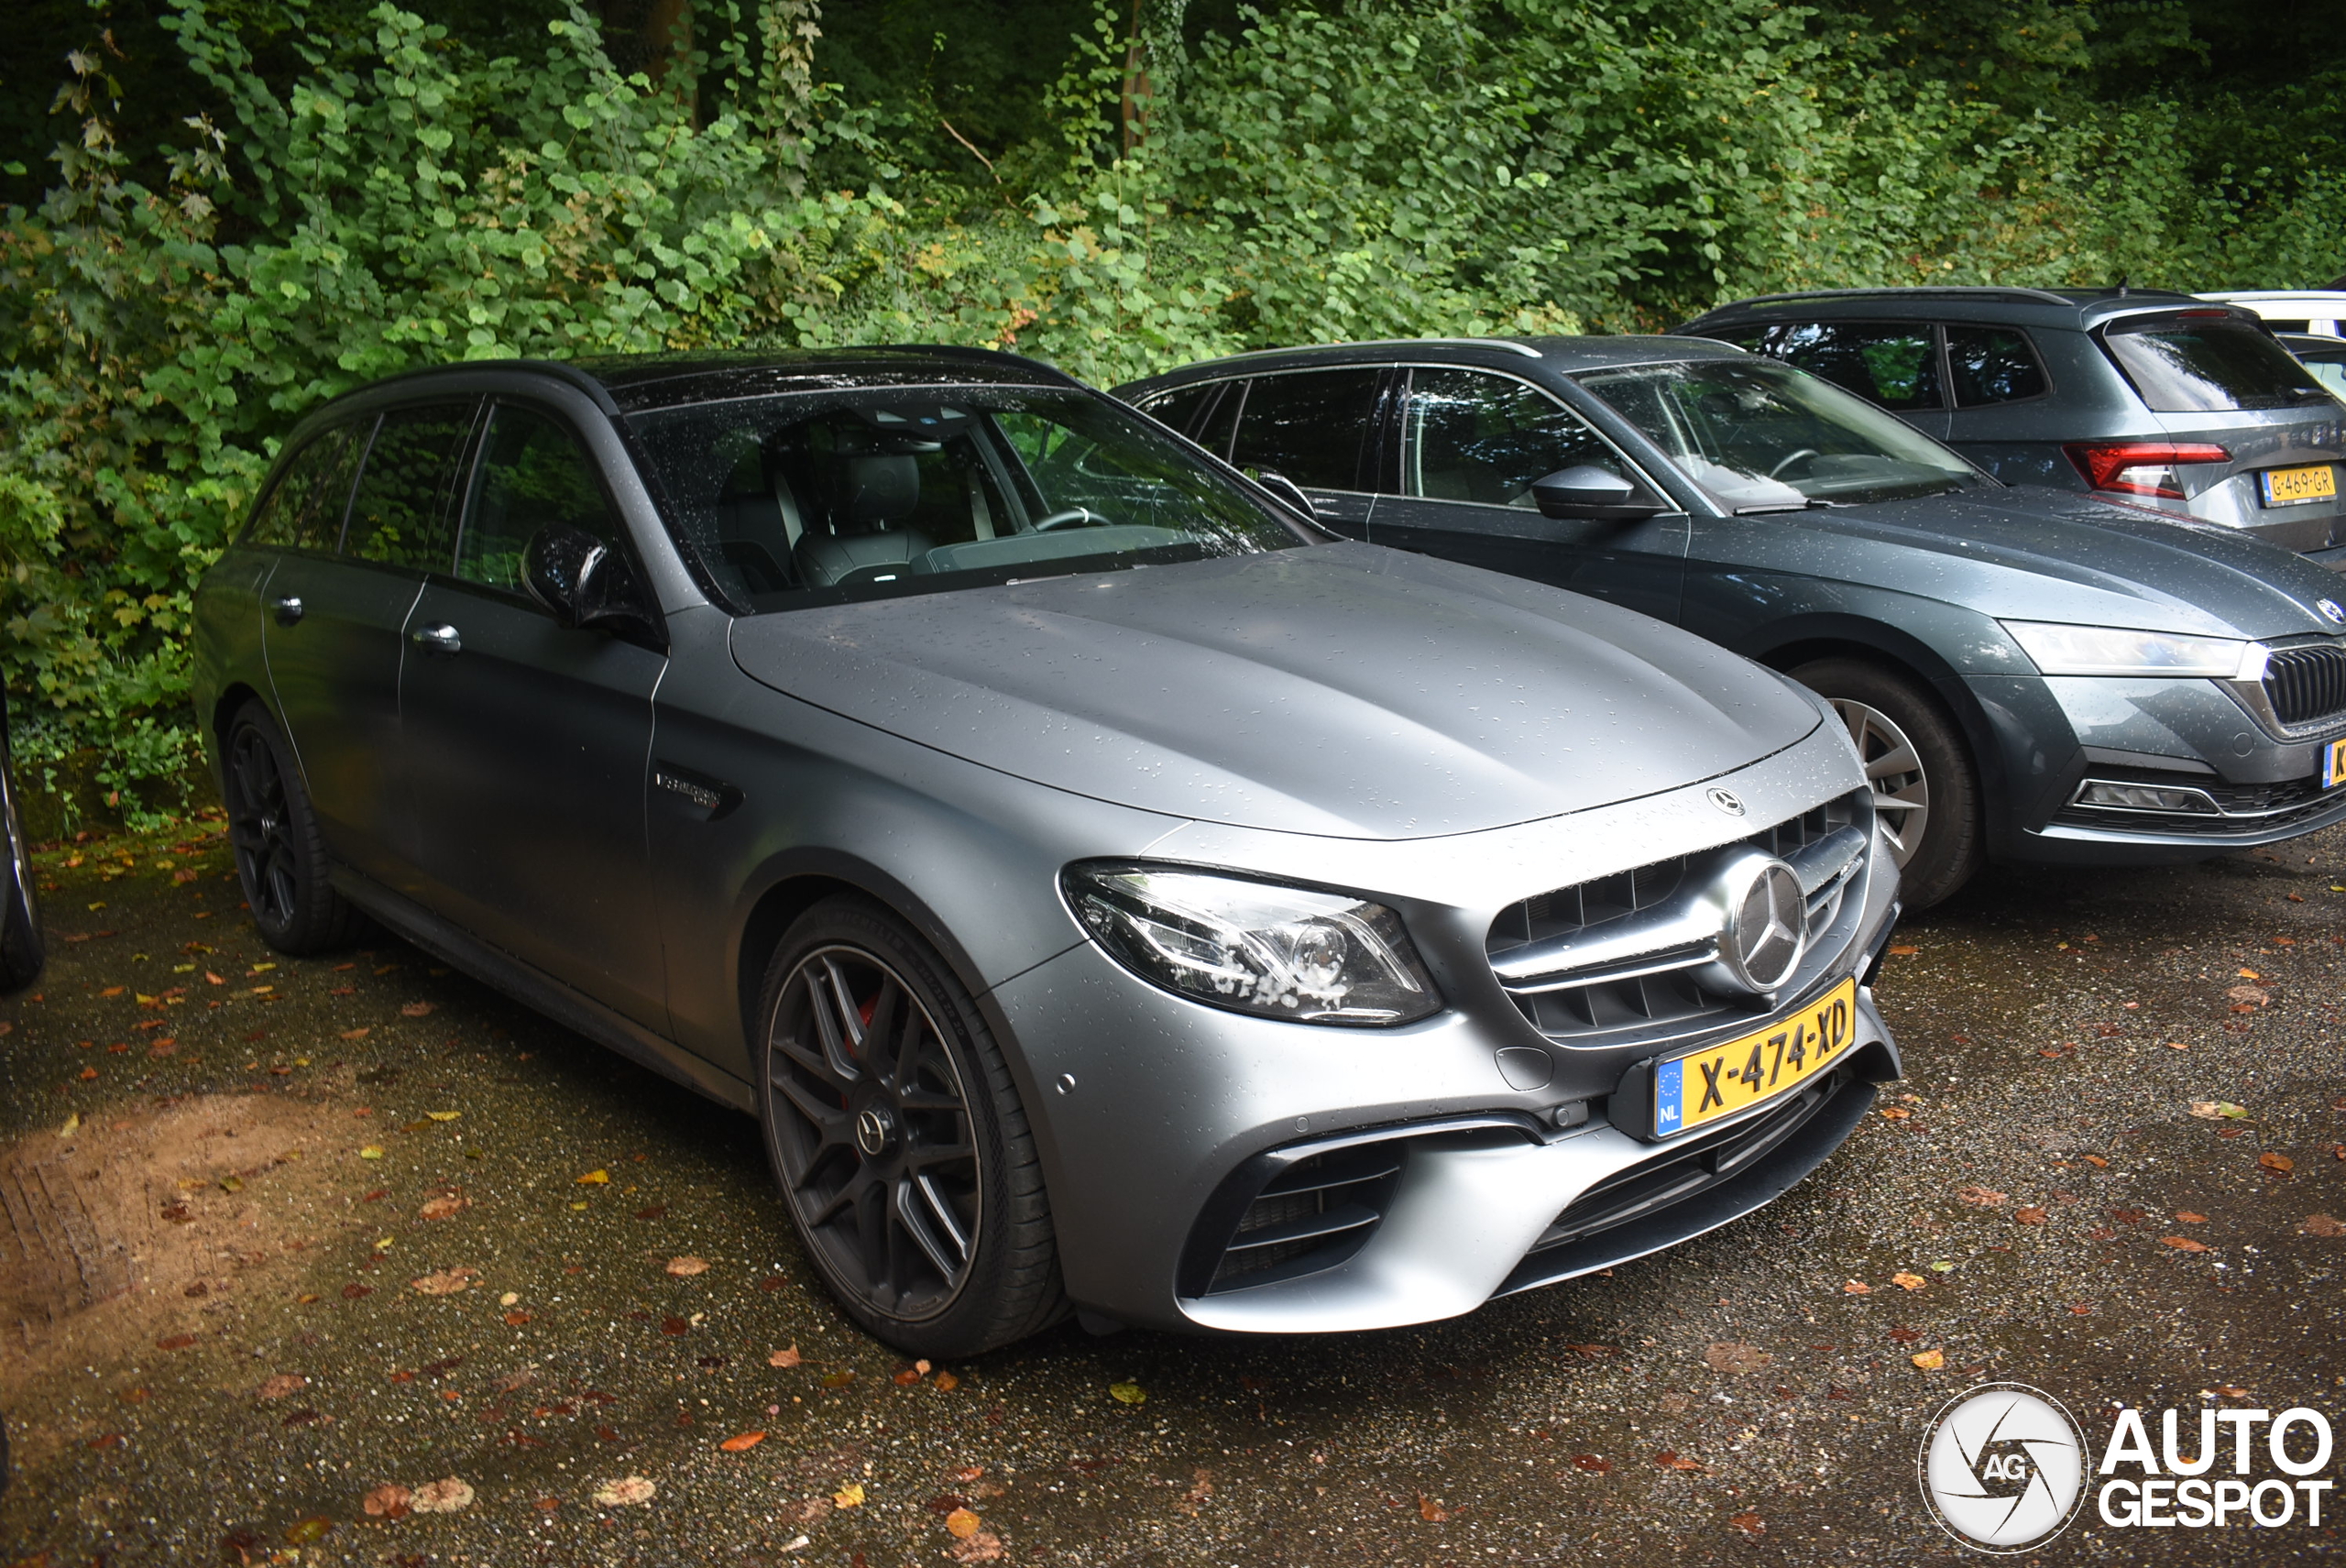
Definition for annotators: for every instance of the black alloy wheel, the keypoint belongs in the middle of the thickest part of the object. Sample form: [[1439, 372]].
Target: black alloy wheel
[[899, 1140], [280, 854]]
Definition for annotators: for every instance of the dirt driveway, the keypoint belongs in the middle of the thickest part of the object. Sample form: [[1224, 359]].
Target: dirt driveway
[[349, 1260]]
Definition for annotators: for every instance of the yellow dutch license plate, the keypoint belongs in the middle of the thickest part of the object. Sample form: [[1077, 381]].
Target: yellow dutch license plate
[[1719, 1081], [2284, 485], [2333, 764]]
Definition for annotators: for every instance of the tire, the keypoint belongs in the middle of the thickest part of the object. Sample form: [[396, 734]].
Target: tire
[[898, 1139], [24, 949], [280, 854], [1926, 789]]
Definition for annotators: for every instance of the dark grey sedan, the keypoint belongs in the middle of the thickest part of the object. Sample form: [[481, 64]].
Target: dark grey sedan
[[2030, 674], [2138, 396], [1107, 891]]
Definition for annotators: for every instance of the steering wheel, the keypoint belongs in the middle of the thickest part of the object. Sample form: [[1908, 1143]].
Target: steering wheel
[[1073, 517], [1804, 452]]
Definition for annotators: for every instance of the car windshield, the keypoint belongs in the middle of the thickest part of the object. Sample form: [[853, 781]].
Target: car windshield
[[825, 498], [1759, 436], [2185, 364]]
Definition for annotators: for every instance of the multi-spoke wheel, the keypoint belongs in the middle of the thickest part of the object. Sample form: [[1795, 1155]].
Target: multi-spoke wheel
[[899, 1140], [281, 855], [1925, 793]]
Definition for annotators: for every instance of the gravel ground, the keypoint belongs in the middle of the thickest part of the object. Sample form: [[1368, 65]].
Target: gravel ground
[[226, 1191]]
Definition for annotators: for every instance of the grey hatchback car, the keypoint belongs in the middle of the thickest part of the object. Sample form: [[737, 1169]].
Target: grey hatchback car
[[2136, 396], [1107, 891], [2030, 674]]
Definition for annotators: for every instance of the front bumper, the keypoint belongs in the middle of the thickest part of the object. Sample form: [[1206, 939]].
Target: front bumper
[[1158, 1114], [2056, 732]]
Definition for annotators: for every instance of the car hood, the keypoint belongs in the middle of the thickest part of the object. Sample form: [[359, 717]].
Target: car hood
[[1339, 689], [2033, 552]]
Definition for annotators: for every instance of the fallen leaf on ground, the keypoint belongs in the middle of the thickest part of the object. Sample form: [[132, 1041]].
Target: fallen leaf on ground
[[1668, 1460], [175, 1341], [1897, 1113], [447, 1282], [2217, 1110], [783, 1357], [849, 1496], [1929, 1360], [626, 1491], [838, 1380], [356, 1033], [2184, 1216], [962, 1523], [2096, 1161], [1593, 1465], [2184, 1244], [2279, 1162], [1750, 1524], [372, 1151], [1908, 1281], [2254, 996], [388, 1501], [984, 1547], [1902, 951], [686, 1268], [2028, 1216], [1128, 1393], [1856, 1287], [946, 1383], [446, 1495], [309, 1531], [443, 1116], [284, 1382], [1728, 1355], [1980, 1197], [417, 1009], [595, 1178], [1944, 1266], [2322, 1225], [743, 1441], [1431, 1510], [441, 1208]]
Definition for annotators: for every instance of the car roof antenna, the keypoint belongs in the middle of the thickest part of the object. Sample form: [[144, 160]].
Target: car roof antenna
[[2123, 280]]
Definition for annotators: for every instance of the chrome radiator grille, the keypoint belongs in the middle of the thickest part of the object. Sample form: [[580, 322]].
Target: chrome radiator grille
[[1623, 958]]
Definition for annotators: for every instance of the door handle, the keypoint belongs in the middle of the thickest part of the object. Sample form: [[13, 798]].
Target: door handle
[[440, 639], [288, 608]]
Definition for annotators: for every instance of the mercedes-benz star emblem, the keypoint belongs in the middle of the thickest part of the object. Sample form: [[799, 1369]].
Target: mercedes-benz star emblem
[[2333, 610], [2002, 1468], [1767, 925], [872, 1131], [1727, 800]]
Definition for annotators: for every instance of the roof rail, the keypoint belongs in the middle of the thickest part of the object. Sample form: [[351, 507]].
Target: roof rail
[[1507, 343], [1950, 291]]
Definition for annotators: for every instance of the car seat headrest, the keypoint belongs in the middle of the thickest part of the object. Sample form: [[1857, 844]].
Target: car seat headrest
[[873, 490]]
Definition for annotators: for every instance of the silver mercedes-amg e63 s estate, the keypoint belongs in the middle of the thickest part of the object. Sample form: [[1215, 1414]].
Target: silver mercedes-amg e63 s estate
[[1108, 892]]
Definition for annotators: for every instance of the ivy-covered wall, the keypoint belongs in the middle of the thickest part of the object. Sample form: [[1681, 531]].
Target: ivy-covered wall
[[308, 196]]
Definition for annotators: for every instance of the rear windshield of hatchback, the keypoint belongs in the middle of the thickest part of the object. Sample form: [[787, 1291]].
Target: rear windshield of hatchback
[[2222, 365]]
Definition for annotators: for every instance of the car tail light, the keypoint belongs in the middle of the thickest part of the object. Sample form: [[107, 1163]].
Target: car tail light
[[2140, 467]]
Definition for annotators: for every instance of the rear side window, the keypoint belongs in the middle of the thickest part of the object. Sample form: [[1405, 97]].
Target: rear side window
[[1308, 425], [400, 514], [303, 510], [1992, 365], [1473, 437], [1894, 364], [1179, 410], [2185, 364], [531, 474]]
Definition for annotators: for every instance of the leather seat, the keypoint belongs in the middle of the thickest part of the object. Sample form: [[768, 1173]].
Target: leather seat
[[865, 493]]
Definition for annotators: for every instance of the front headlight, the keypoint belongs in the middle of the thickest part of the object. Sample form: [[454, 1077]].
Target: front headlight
[[2061, 650], [1278, 952]]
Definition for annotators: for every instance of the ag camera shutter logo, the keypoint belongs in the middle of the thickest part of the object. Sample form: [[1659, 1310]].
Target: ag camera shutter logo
[[2002, 1467]]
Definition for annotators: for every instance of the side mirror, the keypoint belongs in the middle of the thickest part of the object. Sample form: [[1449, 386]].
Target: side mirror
[[1287, 491], [1587, 493], [583, 581]]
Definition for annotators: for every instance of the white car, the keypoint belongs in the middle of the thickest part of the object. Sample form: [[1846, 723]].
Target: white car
[[2322, 312]]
